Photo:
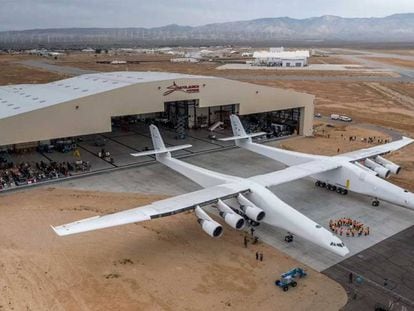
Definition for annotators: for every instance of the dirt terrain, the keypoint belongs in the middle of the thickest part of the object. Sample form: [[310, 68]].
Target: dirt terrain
[[162, 63], [393, 61], [360, 100], [328, 60], [165, 264], [12, 73]]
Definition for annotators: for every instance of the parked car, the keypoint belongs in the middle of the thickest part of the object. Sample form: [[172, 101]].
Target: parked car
[[345, 118]]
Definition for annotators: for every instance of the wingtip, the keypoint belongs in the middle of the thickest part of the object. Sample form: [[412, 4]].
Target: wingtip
[[54, 229]]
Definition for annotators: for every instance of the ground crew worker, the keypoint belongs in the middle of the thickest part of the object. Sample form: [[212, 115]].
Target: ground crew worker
[[245, 241]]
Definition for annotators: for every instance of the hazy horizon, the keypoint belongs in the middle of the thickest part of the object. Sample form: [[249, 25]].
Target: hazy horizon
[[27, 14]]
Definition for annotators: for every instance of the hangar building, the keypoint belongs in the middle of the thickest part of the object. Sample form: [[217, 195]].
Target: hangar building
[[87, 104]]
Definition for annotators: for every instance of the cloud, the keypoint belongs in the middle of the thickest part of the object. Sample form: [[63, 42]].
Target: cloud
[[28, 14]]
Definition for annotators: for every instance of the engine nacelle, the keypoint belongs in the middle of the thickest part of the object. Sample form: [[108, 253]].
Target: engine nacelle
[[382, 171], [233, 220], [230, 217], [394, 168], [366, 169], [252, 211], [211, 227]]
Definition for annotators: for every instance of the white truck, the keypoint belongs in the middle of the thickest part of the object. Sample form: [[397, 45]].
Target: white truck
[[341, 117]]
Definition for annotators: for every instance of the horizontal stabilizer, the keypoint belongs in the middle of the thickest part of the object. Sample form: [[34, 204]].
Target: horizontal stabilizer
[[160, 151], [243, 137]]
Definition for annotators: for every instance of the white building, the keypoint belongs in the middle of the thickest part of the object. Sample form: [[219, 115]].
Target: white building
[[281, 58]]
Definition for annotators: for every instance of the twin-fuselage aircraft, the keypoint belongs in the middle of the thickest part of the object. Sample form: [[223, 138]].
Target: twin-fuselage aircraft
[[356, 171]]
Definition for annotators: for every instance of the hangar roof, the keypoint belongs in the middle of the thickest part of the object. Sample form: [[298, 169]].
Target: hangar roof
[[17, 99]]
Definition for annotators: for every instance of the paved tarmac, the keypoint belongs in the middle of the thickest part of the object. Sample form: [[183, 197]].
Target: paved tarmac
[[73, 71], [387, 273], [318, 204]]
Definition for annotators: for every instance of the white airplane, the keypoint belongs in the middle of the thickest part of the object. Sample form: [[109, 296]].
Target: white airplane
[[362, 171], [255, 203]]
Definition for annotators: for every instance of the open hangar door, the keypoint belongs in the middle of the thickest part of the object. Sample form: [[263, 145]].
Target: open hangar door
[[275, 123], [183, 115]]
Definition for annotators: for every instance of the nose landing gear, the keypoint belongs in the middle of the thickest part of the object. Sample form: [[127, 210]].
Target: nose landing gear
[[375, 202]]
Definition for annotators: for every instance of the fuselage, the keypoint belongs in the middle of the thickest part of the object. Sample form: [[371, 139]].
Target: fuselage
[[278, 213], [355, 179], [348, 176]]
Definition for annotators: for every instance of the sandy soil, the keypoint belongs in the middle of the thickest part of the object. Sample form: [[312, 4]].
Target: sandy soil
[[359, 100], [12, 73], [329, 60], [161, 63], [393, 61], [165, 264], [407, 51]]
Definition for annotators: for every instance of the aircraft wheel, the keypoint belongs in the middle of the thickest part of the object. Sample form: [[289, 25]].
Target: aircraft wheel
[[333, 188], [339, 190], [344, 191], [375, 203], [323, 185], [318, 184]]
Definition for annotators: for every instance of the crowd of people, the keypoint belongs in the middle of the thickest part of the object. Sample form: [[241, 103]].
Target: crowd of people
[[24, 173], [370, 140], [349, 227]]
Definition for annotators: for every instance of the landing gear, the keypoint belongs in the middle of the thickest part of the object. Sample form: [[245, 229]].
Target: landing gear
[[289, 237], [341, 191], [330, 187], [375, 203]]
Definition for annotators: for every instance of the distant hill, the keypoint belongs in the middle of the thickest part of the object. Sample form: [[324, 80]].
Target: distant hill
[[316, 30]]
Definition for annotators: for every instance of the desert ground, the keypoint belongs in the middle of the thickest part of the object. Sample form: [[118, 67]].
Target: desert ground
[[165, 264], [13, 73], [171, 264]]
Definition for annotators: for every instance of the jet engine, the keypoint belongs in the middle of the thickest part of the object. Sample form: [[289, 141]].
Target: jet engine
[[250, 210], [230, 217], [382, 171], [394, 168], [366, 169], [211, 227]]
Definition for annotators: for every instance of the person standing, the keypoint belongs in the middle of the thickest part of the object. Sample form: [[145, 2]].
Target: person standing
[[257, 255], [261, 256], [351, 277], [245, 241]]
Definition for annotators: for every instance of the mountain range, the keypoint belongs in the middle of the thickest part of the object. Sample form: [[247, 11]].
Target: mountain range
[[317, 31]]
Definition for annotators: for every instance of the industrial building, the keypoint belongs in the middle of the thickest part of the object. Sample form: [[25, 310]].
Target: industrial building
[[89, 104], [277, 57]]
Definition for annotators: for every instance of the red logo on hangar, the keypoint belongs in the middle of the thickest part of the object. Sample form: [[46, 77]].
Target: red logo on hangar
[[195, 88]]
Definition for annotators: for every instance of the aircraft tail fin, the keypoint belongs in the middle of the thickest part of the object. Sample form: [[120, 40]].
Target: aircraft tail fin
[[239, 132], [159, 145]]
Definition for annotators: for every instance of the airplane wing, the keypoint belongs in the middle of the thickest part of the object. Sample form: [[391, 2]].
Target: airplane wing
[[296, 172], [378, 150], [167, 207]]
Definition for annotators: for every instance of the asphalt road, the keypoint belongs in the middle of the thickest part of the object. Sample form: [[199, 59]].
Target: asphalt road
[[387, 273]]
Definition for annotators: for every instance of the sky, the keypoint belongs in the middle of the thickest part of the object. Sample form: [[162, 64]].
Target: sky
[[29, 14]]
